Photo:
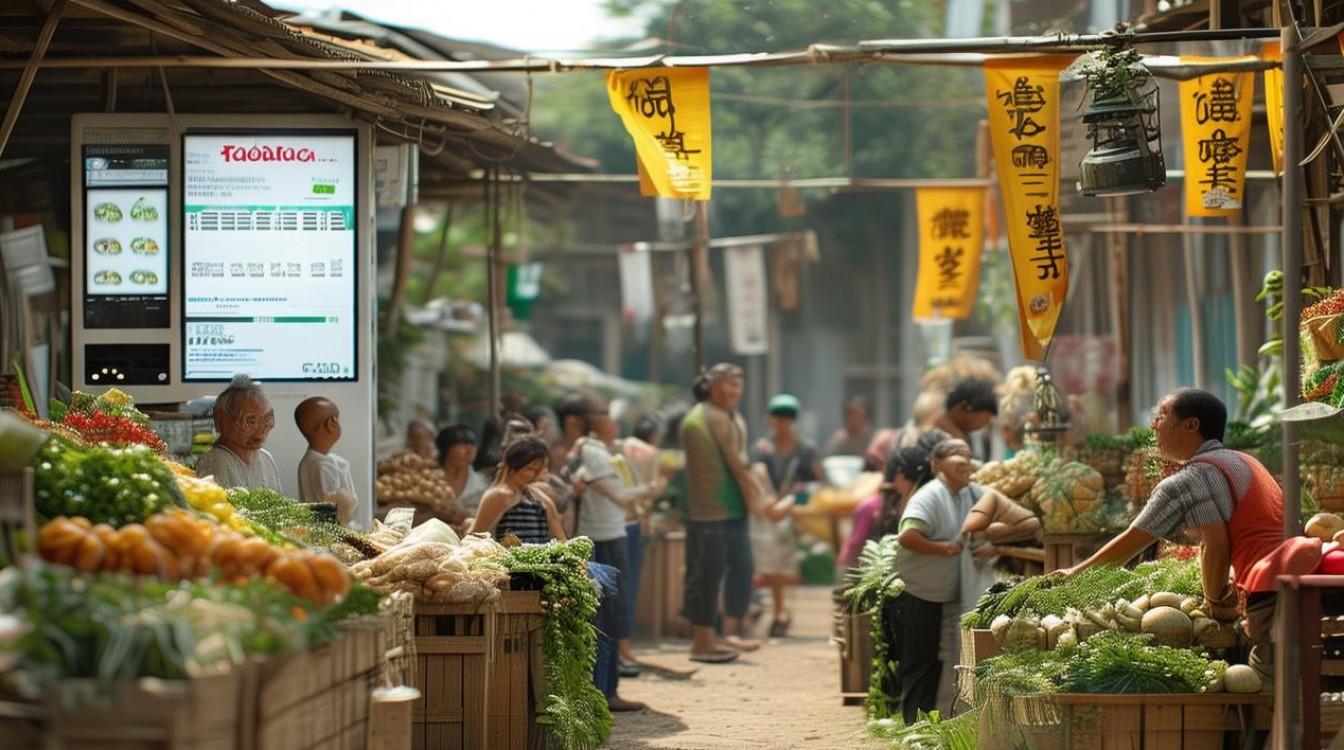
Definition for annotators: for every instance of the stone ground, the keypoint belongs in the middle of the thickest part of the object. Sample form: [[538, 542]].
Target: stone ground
[[785, 696]]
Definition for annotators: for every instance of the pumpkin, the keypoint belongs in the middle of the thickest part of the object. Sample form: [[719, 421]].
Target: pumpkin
[[59, 540], [296, 575], [332, 578]]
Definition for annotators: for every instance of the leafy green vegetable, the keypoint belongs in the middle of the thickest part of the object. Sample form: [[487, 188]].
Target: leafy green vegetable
[[875, 577], [112, 626], [575, 709], [108, 485], [1088, 590], [284, 519], [1126, 663], [932, 732]]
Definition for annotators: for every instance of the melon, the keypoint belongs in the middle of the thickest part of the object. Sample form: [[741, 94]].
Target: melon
[[1240, 678], [1169, 626]]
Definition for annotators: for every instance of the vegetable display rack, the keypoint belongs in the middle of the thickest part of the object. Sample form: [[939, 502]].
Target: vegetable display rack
[[479, 675], [1310, 627], [313, 699]]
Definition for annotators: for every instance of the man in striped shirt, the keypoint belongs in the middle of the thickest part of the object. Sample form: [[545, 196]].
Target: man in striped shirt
[[1233, 504]]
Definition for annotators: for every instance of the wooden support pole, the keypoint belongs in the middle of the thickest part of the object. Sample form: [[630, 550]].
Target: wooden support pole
[[30, 72]]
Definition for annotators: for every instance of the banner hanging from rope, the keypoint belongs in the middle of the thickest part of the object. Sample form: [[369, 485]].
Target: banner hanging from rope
[[1024, 131], [666, 112], [951, 237], [1216, 129]]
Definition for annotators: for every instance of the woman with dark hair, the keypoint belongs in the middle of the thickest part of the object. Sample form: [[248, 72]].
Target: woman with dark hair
[[457, 446], [905, 471], [517, 502]]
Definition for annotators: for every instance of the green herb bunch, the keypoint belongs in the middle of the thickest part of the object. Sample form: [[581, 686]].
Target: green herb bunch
[[116, 486], [1127, 663], [1088, 590], [282, 519], [875, 582], [575, 709]]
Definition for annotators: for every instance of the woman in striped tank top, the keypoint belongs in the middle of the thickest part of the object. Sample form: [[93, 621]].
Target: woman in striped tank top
[[518, 501]]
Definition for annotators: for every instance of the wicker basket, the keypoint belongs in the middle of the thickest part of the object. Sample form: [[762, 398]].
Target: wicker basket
[[1325, 337]]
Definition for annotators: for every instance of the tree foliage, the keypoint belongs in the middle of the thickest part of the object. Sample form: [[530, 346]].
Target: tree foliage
[[905, 121]]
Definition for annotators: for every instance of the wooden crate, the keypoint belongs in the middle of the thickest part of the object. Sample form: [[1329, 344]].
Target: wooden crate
[[200, 713], [662, 587], [853, 633], [1067, 550], [479, 674], [1074, 721], [318, 699]]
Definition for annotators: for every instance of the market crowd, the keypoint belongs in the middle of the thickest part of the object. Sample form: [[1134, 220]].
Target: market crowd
[[539, 473]]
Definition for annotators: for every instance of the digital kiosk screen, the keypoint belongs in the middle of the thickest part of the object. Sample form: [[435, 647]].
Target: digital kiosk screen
[[126, 236], [269, 253]]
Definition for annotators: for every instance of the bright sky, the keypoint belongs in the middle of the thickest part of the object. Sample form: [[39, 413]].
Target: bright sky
[[528, 25]]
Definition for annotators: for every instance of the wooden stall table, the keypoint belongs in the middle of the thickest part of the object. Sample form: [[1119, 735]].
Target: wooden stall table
[[1310, 624], [662, 586], [1067, 550]]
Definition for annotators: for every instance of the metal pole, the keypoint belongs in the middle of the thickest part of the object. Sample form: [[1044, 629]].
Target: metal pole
[[1288, 690]]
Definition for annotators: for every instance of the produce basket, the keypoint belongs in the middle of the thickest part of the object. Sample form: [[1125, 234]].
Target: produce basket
[[1325, 336]]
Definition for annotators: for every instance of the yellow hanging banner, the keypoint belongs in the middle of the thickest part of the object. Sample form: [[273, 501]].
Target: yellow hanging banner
[[1024, 132], [1216, 128], [951, 235], [666, 112], [1274, 102]]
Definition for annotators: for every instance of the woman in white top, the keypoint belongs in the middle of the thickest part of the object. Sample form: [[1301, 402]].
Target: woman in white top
[[457, 446], [930, 564]]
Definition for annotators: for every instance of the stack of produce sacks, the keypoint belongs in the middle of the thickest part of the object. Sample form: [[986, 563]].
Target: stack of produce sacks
[[435, 566]]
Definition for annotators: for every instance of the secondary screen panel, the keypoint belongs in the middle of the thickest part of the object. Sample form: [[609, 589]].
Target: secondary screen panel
[[126, 236], [269, 241]]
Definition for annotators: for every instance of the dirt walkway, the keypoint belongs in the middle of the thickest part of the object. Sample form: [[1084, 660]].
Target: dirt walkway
[[785, 696]]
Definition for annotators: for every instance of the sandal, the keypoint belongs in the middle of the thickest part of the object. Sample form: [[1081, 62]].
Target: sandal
[[717, 656], [738, 643], [780, 628]]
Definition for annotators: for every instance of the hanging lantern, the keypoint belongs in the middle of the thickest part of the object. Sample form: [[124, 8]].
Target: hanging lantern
[[1049, 419], [1123, 119]]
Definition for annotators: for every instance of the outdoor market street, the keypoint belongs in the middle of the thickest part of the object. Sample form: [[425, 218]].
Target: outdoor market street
[[787, 695]]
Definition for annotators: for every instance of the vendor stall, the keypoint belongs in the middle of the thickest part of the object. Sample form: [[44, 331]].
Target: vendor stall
[[162, 608]]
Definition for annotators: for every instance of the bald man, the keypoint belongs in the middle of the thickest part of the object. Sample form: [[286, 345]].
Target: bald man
[[324, 477]]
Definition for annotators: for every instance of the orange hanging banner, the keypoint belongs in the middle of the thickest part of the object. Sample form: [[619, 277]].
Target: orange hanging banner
[[1216, 129], [1274, 102], [951, 235], [1024, 131], [666, 112]]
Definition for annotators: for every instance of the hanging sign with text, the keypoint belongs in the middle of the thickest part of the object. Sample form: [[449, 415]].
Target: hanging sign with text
[[1216, 128], [1023, 98], [666, 112], [951, 235]]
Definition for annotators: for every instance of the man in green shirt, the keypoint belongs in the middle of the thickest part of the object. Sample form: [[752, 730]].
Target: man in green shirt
[[722, 491]]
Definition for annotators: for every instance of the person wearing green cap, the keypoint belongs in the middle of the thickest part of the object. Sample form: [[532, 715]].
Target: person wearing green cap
[[788, 462]]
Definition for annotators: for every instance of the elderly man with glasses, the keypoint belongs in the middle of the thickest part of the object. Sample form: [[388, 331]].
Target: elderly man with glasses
[[244, 419]]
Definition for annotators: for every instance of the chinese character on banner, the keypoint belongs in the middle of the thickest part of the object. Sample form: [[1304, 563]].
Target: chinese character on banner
[[1023, 95], [1216, 125], [666, 112], [748, 299], [1274, 101], [951, 236]]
